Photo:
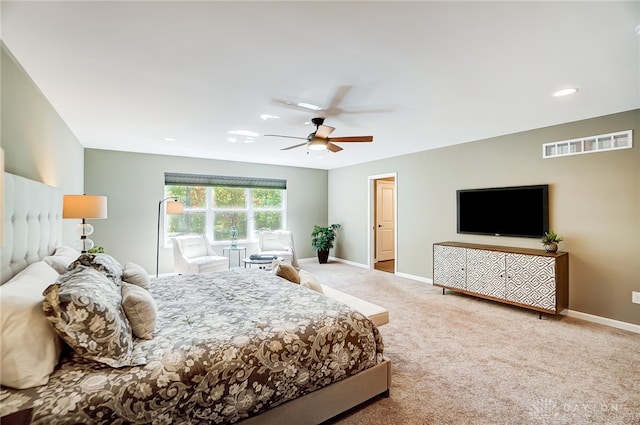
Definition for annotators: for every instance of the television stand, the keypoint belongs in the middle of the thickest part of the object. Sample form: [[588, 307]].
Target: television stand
[[531, 278]]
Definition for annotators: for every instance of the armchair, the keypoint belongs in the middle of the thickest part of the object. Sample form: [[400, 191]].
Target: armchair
[[193, 254], [278, 242]]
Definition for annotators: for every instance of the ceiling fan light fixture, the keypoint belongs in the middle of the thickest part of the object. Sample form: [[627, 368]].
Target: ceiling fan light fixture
[[317, 145]]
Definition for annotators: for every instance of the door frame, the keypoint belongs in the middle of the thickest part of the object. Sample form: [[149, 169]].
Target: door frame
[[371, 248]]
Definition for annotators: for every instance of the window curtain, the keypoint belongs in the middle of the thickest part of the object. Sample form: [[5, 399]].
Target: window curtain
[[182, 179]]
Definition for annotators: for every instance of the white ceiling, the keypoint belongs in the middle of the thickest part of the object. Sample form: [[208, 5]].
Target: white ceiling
[[126, 75]]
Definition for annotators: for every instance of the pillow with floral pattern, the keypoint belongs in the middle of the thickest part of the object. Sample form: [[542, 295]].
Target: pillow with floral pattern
[[104, 263], [85, 309]]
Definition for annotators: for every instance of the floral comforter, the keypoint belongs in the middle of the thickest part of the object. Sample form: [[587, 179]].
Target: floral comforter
[[227, 346]]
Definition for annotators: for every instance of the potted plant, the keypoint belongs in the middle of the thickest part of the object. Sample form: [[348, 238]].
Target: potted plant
[[550, 241], [322, 239]]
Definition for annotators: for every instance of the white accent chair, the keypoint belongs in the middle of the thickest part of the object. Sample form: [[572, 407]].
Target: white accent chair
[[192, 254], [278, 242]]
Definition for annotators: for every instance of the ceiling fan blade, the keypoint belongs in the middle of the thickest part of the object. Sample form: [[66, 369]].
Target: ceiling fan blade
[[367, 111], [338, 97], [294, 146], [288, 137], [352, 139], [296, 105], [324, 131], [333, 148]]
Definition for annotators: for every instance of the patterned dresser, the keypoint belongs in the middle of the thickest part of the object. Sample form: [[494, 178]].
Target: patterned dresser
[[530, 278]]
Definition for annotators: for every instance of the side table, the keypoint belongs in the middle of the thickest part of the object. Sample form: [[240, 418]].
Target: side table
[[262, 264], [226, 251]]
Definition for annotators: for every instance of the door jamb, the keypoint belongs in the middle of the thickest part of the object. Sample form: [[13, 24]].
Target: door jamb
[[371, 217]]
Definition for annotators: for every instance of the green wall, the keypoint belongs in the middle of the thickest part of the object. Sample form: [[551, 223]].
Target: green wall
[[37, 143], [594, 204], [134, 184]]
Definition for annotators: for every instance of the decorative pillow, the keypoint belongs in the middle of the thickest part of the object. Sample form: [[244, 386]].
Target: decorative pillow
[[309, 281], [104, 263], [62, 258], [140, 309], [85, 309], [135, 274], [30, 348], [285, 271]]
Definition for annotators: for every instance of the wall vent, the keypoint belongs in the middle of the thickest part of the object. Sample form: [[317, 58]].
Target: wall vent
[[600, 143]]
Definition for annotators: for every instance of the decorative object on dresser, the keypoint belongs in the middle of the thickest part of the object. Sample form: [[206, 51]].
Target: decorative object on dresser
[[175, 208], [550, 241], [529, 278], [84, 207], [322, 239]]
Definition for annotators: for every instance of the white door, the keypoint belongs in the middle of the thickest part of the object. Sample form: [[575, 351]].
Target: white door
[[385, 220]]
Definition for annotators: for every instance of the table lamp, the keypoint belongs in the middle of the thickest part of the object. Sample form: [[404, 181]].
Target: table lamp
[[84, 207]]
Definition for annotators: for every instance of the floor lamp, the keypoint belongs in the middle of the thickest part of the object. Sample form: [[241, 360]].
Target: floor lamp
[[84, 207], [174, 207]]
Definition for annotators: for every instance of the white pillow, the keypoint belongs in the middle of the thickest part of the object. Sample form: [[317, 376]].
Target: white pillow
[[140, 308], [135, 274], [309, 281], [61, 258], [30, 347]]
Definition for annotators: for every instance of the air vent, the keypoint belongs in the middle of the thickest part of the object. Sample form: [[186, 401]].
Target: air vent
[[600, 143]]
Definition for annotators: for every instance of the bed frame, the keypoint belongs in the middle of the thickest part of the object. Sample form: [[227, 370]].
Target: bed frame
[[32, 223], [33, 228]]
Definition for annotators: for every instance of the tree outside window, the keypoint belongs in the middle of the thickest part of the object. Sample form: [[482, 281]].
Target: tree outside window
[[214, 210]]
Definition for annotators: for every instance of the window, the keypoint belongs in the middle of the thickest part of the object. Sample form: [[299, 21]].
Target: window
[[215, 204]]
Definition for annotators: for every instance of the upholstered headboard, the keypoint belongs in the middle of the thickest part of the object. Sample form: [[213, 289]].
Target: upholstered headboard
[[32, 223]]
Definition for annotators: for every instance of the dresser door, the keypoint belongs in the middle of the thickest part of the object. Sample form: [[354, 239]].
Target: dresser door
[[449, 263], [531, 280], [486, 272]]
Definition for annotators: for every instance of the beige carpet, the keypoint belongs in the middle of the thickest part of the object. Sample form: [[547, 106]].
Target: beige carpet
[[461, 360]]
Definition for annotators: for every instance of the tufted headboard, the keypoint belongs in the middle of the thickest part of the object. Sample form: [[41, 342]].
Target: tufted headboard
[[32, 223]]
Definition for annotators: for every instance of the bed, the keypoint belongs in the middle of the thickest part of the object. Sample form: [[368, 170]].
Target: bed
[[240, 346]]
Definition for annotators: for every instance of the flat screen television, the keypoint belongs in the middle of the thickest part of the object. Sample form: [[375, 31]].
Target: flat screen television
[[521, 211]]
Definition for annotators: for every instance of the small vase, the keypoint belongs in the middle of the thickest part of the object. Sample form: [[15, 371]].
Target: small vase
[[233, 233], [551, 247]]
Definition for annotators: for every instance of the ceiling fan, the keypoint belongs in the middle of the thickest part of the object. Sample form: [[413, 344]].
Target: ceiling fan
[[320, 140], [334, 109]]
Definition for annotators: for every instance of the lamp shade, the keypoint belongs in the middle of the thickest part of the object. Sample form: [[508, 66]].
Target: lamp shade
[[175, 207], [84, 206]]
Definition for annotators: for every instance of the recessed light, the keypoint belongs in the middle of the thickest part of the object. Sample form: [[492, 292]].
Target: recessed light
[[246, 133], [169, 139], [269, 117], [565, 92]]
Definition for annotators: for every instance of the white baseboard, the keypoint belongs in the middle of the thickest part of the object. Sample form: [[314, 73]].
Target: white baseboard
[[399, 274], [571, 313], [602, 320], [351, 263], [414, 277]]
